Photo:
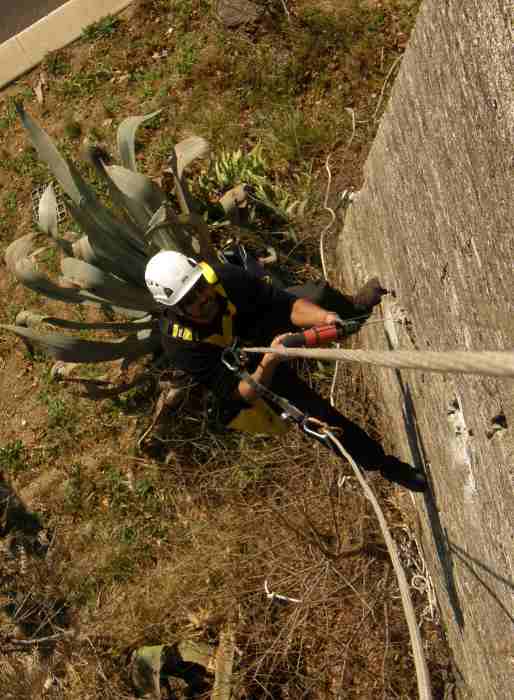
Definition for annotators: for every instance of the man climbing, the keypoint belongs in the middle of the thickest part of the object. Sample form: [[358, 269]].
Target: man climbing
[[205, 307]]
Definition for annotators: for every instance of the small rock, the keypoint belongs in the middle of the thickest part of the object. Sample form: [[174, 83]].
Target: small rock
[[233, 13]]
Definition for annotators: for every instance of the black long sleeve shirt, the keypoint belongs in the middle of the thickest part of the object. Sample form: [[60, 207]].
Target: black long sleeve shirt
[[262, 312]]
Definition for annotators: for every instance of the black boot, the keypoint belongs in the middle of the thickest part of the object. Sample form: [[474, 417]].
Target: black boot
[[401, 473], [369, 295]]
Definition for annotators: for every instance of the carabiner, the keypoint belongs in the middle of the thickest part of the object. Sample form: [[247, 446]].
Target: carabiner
[[232, 357], [317, 434]]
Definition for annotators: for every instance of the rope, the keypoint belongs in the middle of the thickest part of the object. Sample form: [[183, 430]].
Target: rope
[[486, 363], [422, 674], [423, 677]]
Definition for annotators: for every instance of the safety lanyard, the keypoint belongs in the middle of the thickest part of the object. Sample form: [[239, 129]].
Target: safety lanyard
[[234, 359]]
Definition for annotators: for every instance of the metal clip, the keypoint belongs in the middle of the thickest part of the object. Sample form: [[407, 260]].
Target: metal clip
[[319, 434], [232, 357]]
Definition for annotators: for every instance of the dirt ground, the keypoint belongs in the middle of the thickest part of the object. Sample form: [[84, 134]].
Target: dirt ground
[[107, 548]]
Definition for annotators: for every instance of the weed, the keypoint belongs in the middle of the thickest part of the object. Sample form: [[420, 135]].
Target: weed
[[11, 202], [295, 137], [188, 54], [8, 115], [56, 63], [102, 29], [111, 104], [73, 490], [13, 457], [117, 487], [121, 567], [144, 488], [85, 83], [58, 412], [128, 535], [26, 163], [96, 133], [73, 129]]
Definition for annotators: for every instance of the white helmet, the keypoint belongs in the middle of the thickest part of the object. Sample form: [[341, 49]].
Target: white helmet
[[170, 275]]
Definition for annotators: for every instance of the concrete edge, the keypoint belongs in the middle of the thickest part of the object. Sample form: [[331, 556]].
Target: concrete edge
[[24, 51]]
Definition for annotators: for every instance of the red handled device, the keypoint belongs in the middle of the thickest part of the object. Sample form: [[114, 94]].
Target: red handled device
[[314, 337]]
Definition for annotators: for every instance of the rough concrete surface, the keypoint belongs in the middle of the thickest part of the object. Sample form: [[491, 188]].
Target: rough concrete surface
[[434, 220]]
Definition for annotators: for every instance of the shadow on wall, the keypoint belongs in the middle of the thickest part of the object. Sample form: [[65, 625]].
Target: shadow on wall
[[439, 535], [473, 564], [445, 548], [442, 544]]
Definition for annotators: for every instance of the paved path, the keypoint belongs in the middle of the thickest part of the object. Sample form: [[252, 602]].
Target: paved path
[[16, 15], [30, 29]]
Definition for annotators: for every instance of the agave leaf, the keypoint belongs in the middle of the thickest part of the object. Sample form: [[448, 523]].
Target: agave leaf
[[188, 150], [127, 327], [82, 250], [128, 205], [127, 137], [28, 274], [96, 283], [181, 190], [105, 221], [194, 238], [70, 349], [19, 249], [29, 319], [110, 253], [138, 187], [116, 301], [49, 154], [129, 313], [34, 255], [161, 229]]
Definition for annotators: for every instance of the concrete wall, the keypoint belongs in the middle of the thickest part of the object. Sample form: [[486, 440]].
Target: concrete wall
[[434, 220]]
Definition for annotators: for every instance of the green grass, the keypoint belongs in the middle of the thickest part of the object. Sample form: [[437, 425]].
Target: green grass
[[14, 457], [103, 29], [85, 83], [73, 130], [11, 202]]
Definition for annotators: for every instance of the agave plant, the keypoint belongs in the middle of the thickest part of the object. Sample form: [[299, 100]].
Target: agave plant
[[105, 264]]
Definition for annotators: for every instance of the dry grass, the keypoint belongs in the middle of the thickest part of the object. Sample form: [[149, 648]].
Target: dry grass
[[131, 549], [144, 552]]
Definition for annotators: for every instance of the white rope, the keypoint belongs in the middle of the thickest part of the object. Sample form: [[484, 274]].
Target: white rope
[[271, 595], [499, 363], [422, 674], [423, 677]]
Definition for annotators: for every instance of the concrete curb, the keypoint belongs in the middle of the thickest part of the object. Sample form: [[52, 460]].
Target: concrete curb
[[22, 52]]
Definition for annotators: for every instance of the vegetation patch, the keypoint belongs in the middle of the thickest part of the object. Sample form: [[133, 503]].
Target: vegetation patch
[[190, 536]]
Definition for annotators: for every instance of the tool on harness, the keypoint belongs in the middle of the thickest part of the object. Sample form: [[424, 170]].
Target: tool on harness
[[235, 360]]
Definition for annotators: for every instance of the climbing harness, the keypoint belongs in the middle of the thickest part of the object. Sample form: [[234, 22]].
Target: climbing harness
[[235, 360]]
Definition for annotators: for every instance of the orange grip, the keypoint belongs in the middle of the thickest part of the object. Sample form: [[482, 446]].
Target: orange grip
[[314, 337]]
